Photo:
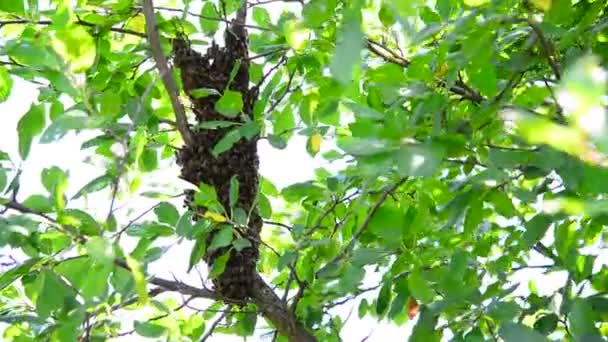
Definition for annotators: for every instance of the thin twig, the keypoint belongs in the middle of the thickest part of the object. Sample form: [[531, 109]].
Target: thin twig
[[130, 223], [287, 90], [387, 54], [123, 161], [169, 9], [279, 224], [14, 205], [79, 22], [267, 53], [265, 2], [270, 71], [365, 223], [167, 76], [212, 327], [546, 48]]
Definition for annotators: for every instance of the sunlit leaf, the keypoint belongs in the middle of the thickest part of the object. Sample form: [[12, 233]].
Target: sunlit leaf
[[209, 18], [348, 46], [230, 104], [30, 125], [515, 332], [76, 46], [219, 265], [6, 84], [140, 279], [221, 239], [296, 34]]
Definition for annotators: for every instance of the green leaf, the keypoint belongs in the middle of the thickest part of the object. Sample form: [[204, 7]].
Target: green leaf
[[296, 34], [10, 276], [424, 330], [73, 120], [261, 16], [246, 324], [276, 141], [581, 319], [483, 77], [201, 93], [230, 104], [54, 294], [234, 190], [38, 203], [546, 324], [199, 249], [384, 299], [205, 194], [148, 160], [226, 142], [318, 12], [240, 244], [148, 329], [150, 230], [219, 265], [418, 160], [536, 229], [215, 124], [100, 250], [29, 126], [420, 288], [249, 130], [12, 6], [76, 46], [348, 46], [137, 143], [55, 181], [516, 332], [386, 15], [221, 239], [239, 216], [211, 25], [30, 53], [95, 185], [264, 206], [6, 84], [580, 94], [3, 179], [184, 225], [350, 280], [388, 223], [504, 311], [167, 213], [141, 285], [232, 5]]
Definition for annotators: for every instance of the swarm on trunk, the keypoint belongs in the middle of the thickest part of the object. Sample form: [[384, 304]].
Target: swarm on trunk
[[212, 70]]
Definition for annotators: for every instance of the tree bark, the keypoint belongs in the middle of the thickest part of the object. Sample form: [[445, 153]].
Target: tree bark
[[277, 312]]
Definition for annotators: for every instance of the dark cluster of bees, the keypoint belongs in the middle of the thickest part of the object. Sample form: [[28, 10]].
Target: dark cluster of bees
[[198, 164]]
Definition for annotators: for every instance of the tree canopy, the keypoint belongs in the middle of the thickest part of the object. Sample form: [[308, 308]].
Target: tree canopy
[[468, 179]]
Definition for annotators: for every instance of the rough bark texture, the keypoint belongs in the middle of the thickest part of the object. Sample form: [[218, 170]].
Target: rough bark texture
[[239, 282]]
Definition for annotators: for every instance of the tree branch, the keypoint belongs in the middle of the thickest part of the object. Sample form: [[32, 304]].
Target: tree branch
[[169, 9], [278, 313], [79, 22], [165, 72], [365, 223], [546, 48], [212, 327], [459, 88]]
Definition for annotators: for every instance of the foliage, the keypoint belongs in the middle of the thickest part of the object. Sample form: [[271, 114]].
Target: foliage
[[473, 135]]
